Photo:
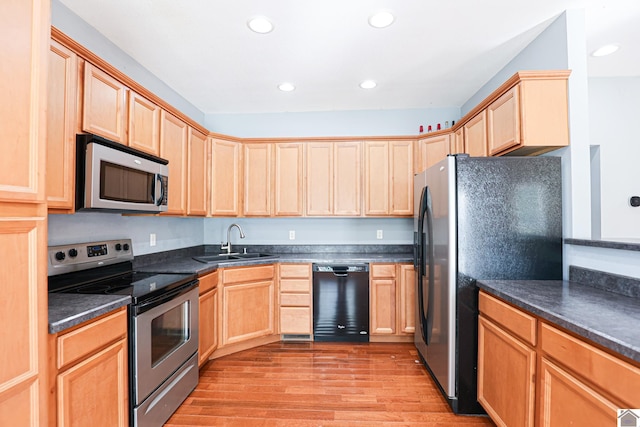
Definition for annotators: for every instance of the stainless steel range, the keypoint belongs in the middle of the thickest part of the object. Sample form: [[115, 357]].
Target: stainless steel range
[[163, 321]]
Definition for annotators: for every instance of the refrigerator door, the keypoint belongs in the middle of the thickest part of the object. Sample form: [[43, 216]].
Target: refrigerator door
[[436, 292]]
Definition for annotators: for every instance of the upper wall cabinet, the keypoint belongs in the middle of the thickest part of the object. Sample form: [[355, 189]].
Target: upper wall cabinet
[[225, 177], [144, 124], [531, 118], [388, 178], [475, 135], [288, 173], [173, 147], [104, 106], [61, 121], [257, 179], [198, 189], [431, 150]]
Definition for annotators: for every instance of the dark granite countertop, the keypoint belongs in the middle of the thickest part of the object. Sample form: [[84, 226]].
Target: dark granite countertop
[[604, 317], [67, 310], [625, 245]]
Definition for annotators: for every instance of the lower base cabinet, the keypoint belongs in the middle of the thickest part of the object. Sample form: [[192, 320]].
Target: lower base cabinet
[[576, 383], [90, 386], [392, 301], [208, 322], [296, 312]]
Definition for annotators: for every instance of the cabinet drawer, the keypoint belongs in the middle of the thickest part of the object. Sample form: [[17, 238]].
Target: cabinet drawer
[[248, 274], [295, 285], [295, 271], [295, 320], [208, 282], [301, 300], [516, 321], [619, 378], [383, 270], [90, 338]]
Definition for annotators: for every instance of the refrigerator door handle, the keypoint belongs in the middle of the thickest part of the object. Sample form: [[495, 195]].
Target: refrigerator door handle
[[426, 253]]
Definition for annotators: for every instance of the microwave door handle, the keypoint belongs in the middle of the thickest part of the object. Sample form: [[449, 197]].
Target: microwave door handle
[[158, 200]]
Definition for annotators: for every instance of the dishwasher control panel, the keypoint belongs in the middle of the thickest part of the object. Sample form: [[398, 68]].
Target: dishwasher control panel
[[341, 268]]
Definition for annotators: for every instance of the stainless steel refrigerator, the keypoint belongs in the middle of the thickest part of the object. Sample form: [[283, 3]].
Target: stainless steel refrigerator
[[478, 218]]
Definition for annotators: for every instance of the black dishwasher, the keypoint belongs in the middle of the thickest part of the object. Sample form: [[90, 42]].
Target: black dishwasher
[[341, 302]]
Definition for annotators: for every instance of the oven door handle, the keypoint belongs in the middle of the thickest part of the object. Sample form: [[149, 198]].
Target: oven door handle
[[161, 299]]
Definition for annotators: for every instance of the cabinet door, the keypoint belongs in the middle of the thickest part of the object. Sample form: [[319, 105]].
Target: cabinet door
[[407, 300], [401, 175], [432, 150], [319, 178], [506, 376], [566, 401], [456, 142], [475, 135], [376, 181], [23, 314], [383, 306], [257, 179], [197, 185], [503, 122], [144, 124], [289, 173], [61, 136], [207, 334], [103, 107], [94, 392], [173, 147], [225, 177], [248, 311], [347, 178]]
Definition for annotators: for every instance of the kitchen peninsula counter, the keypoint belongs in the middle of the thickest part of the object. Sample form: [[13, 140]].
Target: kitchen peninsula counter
[[607, 318]]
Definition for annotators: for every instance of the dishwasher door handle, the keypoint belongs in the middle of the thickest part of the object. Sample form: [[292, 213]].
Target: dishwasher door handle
[[335, 273]]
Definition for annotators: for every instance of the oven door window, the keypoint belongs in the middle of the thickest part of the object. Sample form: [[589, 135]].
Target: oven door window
[[125, 184], [169, 331]]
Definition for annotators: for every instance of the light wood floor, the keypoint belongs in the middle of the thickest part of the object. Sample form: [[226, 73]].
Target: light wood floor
[[319, 384]]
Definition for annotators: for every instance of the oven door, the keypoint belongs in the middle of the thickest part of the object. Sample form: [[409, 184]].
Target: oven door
[[165, 336]]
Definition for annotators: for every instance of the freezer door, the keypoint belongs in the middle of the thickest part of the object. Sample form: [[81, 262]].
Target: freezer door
[[436, 296]]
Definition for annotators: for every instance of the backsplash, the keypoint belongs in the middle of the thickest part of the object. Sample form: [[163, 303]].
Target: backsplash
[[616, 283]]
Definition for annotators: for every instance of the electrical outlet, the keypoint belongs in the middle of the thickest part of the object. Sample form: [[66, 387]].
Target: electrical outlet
[[292, 234], [379, 234], [152, 239]]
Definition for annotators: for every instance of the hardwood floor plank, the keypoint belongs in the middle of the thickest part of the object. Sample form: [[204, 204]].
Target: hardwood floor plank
[[319, 384]]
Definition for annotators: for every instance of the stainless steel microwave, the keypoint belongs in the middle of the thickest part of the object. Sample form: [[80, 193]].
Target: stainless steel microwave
[[112, 177]]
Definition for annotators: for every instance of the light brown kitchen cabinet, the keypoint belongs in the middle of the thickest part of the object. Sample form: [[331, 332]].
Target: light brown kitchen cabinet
[[197, 185], [388, 181], [475, 135], [248, 303], [406, 299], [456, 141], [288, 174], [382, 288], [530, 118], [225, 177], [431, 150], [91, 367], [144, 124], [296, 312], [173, 147], [257, 179], [104, 108], [577, 382], [334, 179], [506, 363], [208, 317], [23, 212], [61, 120]]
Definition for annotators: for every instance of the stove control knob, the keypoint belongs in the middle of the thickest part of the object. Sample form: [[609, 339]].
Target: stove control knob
[[60, 256], [118, 247], [73, 253], [126, 247]]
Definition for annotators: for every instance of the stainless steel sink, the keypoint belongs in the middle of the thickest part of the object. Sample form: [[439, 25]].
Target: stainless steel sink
[[231, 257]]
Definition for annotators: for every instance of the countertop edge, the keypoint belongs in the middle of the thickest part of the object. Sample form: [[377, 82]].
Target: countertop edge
[[62, 323]]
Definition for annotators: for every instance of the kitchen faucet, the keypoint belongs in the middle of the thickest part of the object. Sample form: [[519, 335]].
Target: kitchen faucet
[[227, 246]]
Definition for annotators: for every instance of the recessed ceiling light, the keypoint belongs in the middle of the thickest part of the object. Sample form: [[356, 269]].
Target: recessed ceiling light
[[368, 84], [286, 87], [381, 19], [260, 25], [606, 50]]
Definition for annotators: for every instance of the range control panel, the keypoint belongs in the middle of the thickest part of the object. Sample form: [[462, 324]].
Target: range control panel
[[82, 256]]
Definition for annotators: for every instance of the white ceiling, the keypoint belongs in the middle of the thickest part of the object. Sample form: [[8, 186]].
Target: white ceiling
[[435, 54]]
